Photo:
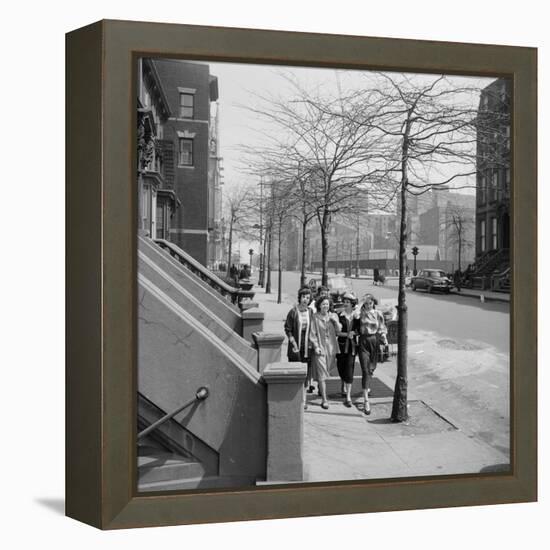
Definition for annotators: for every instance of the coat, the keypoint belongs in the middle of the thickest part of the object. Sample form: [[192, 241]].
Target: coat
[[293, 329], [323, 337]]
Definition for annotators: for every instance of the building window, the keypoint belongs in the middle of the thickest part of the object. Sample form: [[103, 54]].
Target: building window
[[185, 157], [494, 185], [187, 105], [146, 206], [160, 222], [482, 235], [494, 243], [482, 188]]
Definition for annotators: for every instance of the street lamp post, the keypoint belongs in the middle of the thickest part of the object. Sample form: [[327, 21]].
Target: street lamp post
[[357, 250], [261, 276], [251, 252], [261, 258]]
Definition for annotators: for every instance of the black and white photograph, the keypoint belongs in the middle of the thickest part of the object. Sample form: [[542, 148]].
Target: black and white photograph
[[324, 278], [276, 275]]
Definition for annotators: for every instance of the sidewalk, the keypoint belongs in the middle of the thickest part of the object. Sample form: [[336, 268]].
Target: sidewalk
[[345, 444]]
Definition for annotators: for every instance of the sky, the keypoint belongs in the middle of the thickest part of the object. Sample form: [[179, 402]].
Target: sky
[[242, 85]]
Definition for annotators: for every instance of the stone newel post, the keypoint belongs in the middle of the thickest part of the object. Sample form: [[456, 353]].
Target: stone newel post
[[269, 348], [285, 412], [253, 321]]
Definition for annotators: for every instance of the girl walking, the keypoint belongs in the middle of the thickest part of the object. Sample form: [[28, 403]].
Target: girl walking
[[324, 327], [372, 332]]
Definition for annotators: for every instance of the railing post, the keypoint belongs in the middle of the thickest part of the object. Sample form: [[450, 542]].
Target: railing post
[[253, 321], [269, 348], [285, 421]]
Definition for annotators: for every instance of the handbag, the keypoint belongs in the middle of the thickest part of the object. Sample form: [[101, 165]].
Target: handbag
[[383, 349]]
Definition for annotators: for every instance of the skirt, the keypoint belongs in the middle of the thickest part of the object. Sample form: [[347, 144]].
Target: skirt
[[368, 351], [345, 363]]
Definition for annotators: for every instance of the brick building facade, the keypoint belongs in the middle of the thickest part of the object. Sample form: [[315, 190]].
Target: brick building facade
[[493, 171], [177, 97]]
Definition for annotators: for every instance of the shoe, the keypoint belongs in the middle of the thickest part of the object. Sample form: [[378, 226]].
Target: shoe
[[305, 407], [367, 409], [310, 389], [368, 391], [347, 403], [324, 405]]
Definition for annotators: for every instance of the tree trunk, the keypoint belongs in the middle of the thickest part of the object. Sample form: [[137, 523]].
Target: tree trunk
[[399, 409], [304, 244], [230, 247], [324, 250], [268, 275], [357, 251], [459, 252], [280, 269], [262, 267]]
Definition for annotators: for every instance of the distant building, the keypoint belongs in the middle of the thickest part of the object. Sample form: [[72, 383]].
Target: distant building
[[491, 268], [157, 201], [448, 224], [493, 171], [180, 175], [215, 182]]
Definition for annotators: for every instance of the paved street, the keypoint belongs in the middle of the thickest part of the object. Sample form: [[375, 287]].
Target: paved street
[[458, 356]]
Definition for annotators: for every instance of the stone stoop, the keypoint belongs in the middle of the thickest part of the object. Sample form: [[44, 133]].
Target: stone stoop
[[156, 466]]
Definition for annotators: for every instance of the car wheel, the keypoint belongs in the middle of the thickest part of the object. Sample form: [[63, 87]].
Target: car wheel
[[430, 289]]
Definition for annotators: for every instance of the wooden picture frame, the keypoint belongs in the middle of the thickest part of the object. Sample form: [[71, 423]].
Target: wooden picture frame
[[101, 274]]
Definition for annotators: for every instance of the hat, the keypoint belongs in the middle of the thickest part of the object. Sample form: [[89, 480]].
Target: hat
[[349, 296]]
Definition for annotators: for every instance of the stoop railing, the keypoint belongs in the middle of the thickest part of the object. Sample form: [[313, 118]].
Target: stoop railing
[[236, 295], [201, 394]]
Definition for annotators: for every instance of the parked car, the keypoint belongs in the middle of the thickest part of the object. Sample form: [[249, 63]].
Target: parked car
[[430, 280], [337, 287]]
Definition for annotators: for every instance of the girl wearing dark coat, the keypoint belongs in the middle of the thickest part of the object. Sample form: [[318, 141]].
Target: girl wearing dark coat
[[297, 328], [347, 344], [372, 332]]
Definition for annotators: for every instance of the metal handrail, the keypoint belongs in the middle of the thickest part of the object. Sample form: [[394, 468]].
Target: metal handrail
[[237, 295], [201, 394]]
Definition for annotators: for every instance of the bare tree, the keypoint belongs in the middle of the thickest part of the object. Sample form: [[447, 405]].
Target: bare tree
[[238, 211], [281, 209], [459, 224], [329, 153], [304, 211], [431, 128]]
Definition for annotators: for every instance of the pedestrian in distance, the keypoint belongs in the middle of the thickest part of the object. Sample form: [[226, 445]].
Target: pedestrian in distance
[[297, 328], [375, 276], [372, 333], [324, 328], [457, 279], [347, 344], [234, 273], [322, 292]]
